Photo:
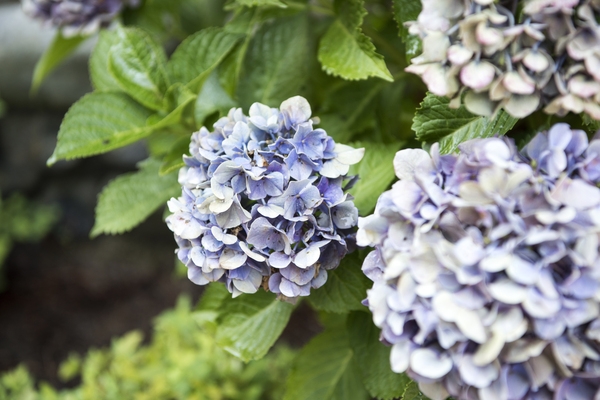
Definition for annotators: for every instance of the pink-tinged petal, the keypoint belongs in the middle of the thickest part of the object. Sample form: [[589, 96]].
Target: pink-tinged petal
[[515, 83], [459, 55], [537, 61], [477, 74], [583, 87]]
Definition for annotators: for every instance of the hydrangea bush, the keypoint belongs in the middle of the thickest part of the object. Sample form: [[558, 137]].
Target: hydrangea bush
[[272, 125], [485, 267], [263, 202]]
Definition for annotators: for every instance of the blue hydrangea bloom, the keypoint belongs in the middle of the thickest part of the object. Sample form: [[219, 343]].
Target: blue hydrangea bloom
[[76, 17], [486, 268], [264, 202]]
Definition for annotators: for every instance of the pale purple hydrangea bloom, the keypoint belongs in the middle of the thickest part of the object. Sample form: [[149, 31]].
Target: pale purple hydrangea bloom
[[264, 202], [76, 17], [549, 59], [486, 268]]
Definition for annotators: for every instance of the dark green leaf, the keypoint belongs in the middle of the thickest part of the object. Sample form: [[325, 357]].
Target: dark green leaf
[[404, 11], [350, 109], [250, 324], [137, 63], [345, 51], [60, 48], [100, 122], [346, 287], [592, 125], [99, 74], [373, 358], [436, 121], [275, 67], [199, 55], [130, 198], [326, 369], [376, 173]]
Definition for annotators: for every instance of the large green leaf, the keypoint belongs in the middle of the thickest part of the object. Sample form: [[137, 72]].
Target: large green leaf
[[373, 358], [198, 55], [60, 48], [99, 74], [244, 23], [326, 369], [250, 324], [275, 66], [350, 109], [376, 173], [404, 11], [100, 122], [137, 64], [212, 98], [345, 51], [130, 198], [436, 121], [346, 287]]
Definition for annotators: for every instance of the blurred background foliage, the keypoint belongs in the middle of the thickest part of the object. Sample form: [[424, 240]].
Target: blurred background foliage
[[182, 361]]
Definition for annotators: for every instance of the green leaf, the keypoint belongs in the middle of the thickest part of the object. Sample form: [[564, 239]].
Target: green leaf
[[260, 3], [436, 121], [250, 324], [345, 51], [138, 63], [177, 98], [130, 198], [100, 76], [345, 289], [350, 109], [326, 369], [412, 392], [404, 11], [373, 358], [376, 173], [591, 125], [213, 297], [212, 98], [198, 55], [275, 66], [60, 48], [174, 158], [100, 122]]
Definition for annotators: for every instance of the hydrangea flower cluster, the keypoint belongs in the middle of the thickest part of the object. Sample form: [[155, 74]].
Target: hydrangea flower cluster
[[550, 59], [264, 202], [76, 17], [486, 268]]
